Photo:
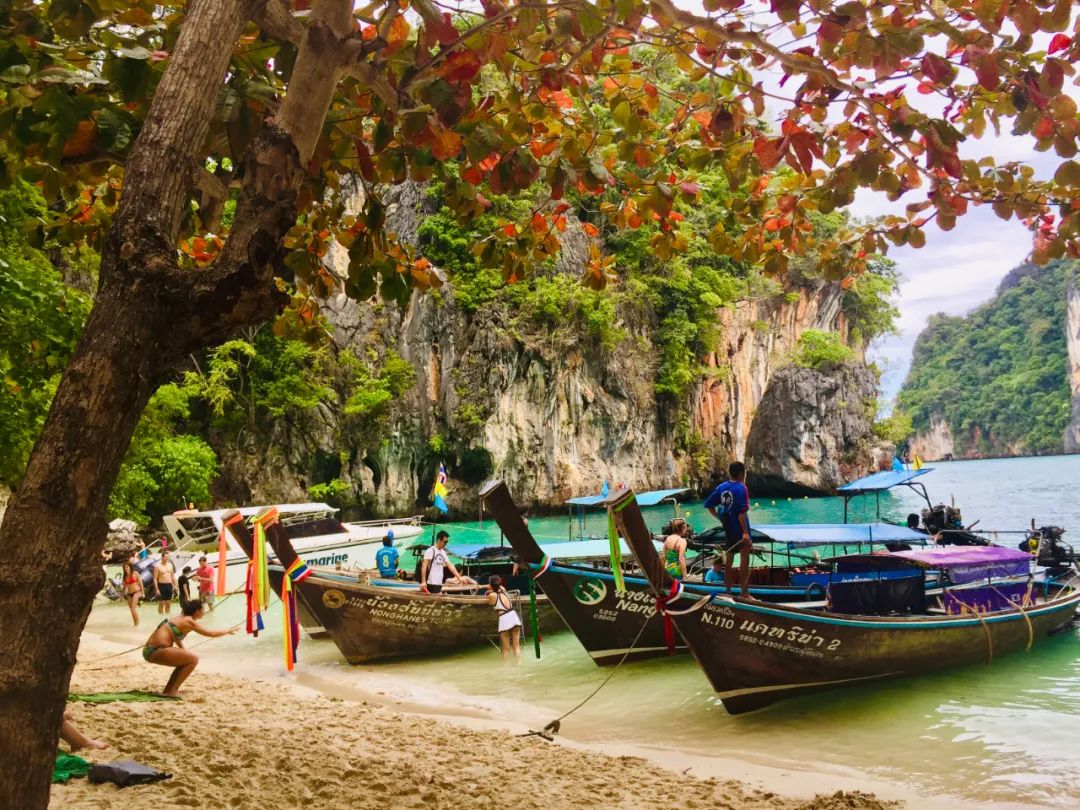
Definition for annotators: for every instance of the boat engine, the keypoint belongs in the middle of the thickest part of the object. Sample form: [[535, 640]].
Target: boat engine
[[942, 517], [1050, 550]]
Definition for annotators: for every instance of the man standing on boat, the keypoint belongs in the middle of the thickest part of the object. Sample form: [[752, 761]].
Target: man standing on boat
[[730, 504], [435, 563]]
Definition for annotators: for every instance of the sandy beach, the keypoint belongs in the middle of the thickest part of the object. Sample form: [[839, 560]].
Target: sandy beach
[[234, 742]]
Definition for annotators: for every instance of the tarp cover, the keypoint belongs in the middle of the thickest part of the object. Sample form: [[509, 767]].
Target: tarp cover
[[836, 534], [651, 498], [565, 551], [880, 481], [971, 563]]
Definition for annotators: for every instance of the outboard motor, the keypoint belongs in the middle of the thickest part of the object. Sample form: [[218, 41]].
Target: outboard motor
[[943, 518], [1050, 550], [144, 569]]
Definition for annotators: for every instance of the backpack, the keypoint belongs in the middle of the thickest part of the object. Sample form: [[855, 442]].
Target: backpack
[[125, 772]]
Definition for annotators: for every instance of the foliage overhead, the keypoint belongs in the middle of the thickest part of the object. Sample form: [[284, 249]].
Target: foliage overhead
[[573, 95], [999, 376]]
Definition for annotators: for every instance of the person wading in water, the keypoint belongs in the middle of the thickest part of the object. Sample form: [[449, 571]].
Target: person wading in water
[[509, 621]]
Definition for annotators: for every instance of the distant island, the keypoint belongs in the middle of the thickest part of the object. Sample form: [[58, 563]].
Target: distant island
[[999, 381]]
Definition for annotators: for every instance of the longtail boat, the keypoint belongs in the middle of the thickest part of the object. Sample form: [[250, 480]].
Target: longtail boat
[[369, 622], [615, 624], [755, 653]]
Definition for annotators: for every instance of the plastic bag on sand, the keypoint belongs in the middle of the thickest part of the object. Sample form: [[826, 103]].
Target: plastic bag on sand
[[125, 772]]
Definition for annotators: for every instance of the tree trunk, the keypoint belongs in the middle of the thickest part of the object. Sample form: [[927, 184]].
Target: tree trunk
[[55, 527]]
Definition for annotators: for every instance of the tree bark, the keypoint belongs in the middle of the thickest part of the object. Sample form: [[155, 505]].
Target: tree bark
[[54, 526], [147, 316]]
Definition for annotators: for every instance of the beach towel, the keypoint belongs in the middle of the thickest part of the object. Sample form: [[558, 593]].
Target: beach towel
[[131, 696], [68, 766]]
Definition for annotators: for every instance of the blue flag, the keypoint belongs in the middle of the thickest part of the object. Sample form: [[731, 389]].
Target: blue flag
[[604, 489], [440, 504], [897, 465]]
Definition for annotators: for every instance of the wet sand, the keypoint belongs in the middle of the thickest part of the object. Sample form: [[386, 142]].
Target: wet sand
[[235, 742]]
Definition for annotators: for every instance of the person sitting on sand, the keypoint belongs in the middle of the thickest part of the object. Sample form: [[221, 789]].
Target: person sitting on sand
[[164, 583], [166, 645], [133, 591], [509, 621], [70, 734]]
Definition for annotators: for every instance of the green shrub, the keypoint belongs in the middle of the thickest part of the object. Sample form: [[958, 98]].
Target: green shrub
[[821, 350]]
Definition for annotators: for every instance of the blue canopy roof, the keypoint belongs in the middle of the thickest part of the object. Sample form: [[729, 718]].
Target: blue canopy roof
[[836, 534], [879, 481], [651, 498]]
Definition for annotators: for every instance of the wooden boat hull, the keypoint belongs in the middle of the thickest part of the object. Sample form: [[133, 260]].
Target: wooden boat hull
[[371, 623], [755, 653]]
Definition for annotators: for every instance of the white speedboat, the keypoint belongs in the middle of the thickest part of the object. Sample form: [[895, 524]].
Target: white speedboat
[[317, 534]]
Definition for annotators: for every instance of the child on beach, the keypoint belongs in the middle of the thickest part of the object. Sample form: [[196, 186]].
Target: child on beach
[[133, 591], [166, 645], [205, 574], [70, 734]]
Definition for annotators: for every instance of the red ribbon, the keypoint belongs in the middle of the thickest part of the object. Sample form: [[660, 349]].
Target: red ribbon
[[669, 626]]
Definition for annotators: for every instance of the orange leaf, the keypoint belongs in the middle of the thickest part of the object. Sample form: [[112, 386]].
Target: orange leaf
[[81, 141], [446, 143], [590, 229], [539, 224], [399, 31]]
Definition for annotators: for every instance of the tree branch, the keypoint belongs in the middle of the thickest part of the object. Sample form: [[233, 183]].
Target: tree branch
[[277, 22]]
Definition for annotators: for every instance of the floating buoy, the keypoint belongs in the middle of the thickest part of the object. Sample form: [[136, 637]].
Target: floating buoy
[[757, 505], [774, 503], [789, 498]]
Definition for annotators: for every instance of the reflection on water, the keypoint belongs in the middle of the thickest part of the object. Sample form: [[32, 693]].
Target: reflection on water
[[1009, 732]]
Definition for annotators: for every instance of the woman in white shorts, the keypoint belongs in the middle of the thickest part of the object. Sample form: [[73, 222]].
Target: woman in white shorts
[[509, 621]]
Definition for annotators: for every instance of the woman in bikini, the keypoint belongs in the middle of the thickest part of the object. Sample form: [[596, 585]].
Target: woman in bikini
[[509, 621], [675, 549], [133, 591], [166, 645]]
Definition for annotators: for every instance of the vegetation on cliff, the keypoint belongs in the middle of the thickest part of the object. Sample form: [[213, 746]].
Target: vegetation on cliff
[[998, 376]]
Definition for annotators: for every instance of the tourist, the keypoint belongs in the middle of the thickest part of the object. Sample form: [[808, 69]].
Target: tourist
[[387, 558], [434, 564], [732, 499], [509, 621], [164, 583], [184, 586], [205, 574], [70, 734], [675, 549], [165, 645], [133, 590], [715, 575]]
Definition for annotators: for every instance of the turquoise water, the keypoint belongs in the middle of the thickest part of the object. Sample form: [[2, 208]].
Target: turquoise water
[[1009, 732], [1005, 733]]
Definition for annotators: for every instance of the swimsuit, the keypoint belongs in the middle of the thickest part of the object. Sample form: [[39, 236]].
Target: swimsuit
[[149, 650], [671, 562], [165, 589]]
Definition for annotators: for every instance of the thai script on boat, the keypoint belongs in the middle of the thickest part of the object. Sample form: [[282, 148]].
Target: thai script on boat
[[778, 637], [641, 602], [400, 614]]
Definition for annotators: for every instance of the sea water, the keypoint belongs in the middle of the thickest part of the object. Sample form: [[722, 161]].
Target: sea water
[[1004, 733]]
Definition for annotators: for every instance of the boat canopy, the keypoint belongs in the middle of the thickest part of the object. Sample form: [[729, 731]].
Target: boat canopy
[[970, 563], [565, 551], [881, 481], [651, 498], [835, 534]]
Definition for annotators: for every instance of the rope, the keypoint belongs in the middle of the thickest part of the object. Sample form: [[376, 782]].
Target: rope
[[1020, 607], [553, 727], [989, 640], [140, 646]]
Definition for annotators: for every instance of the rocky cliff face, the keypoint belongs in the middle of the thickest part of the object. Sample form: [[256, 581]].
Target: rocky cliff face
[[1072, 336], [935, 443], [812, 431], [551, 412]]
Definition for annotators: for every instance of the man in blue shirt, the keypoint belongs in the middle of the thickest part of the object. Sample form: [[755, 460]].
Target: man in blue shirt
[[730, 504], [387, 558]]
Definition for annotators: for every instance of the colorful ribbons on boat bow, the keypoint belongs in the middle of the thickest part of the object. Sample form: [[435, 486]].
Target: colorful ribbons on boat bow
[[661, 605], [615, 549], [545, 564], [297, 572], [223, 552], [257, 587]]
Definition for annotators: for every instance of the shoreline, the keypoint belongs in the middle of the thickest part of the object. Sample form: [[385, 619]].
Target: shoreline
[[405, 725]]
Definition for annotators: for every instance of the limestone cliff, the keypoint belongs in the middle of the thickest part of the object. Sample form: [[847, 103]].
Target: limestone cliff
[[1072, 339], [551, 411], [935, 442], [812, 430]]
